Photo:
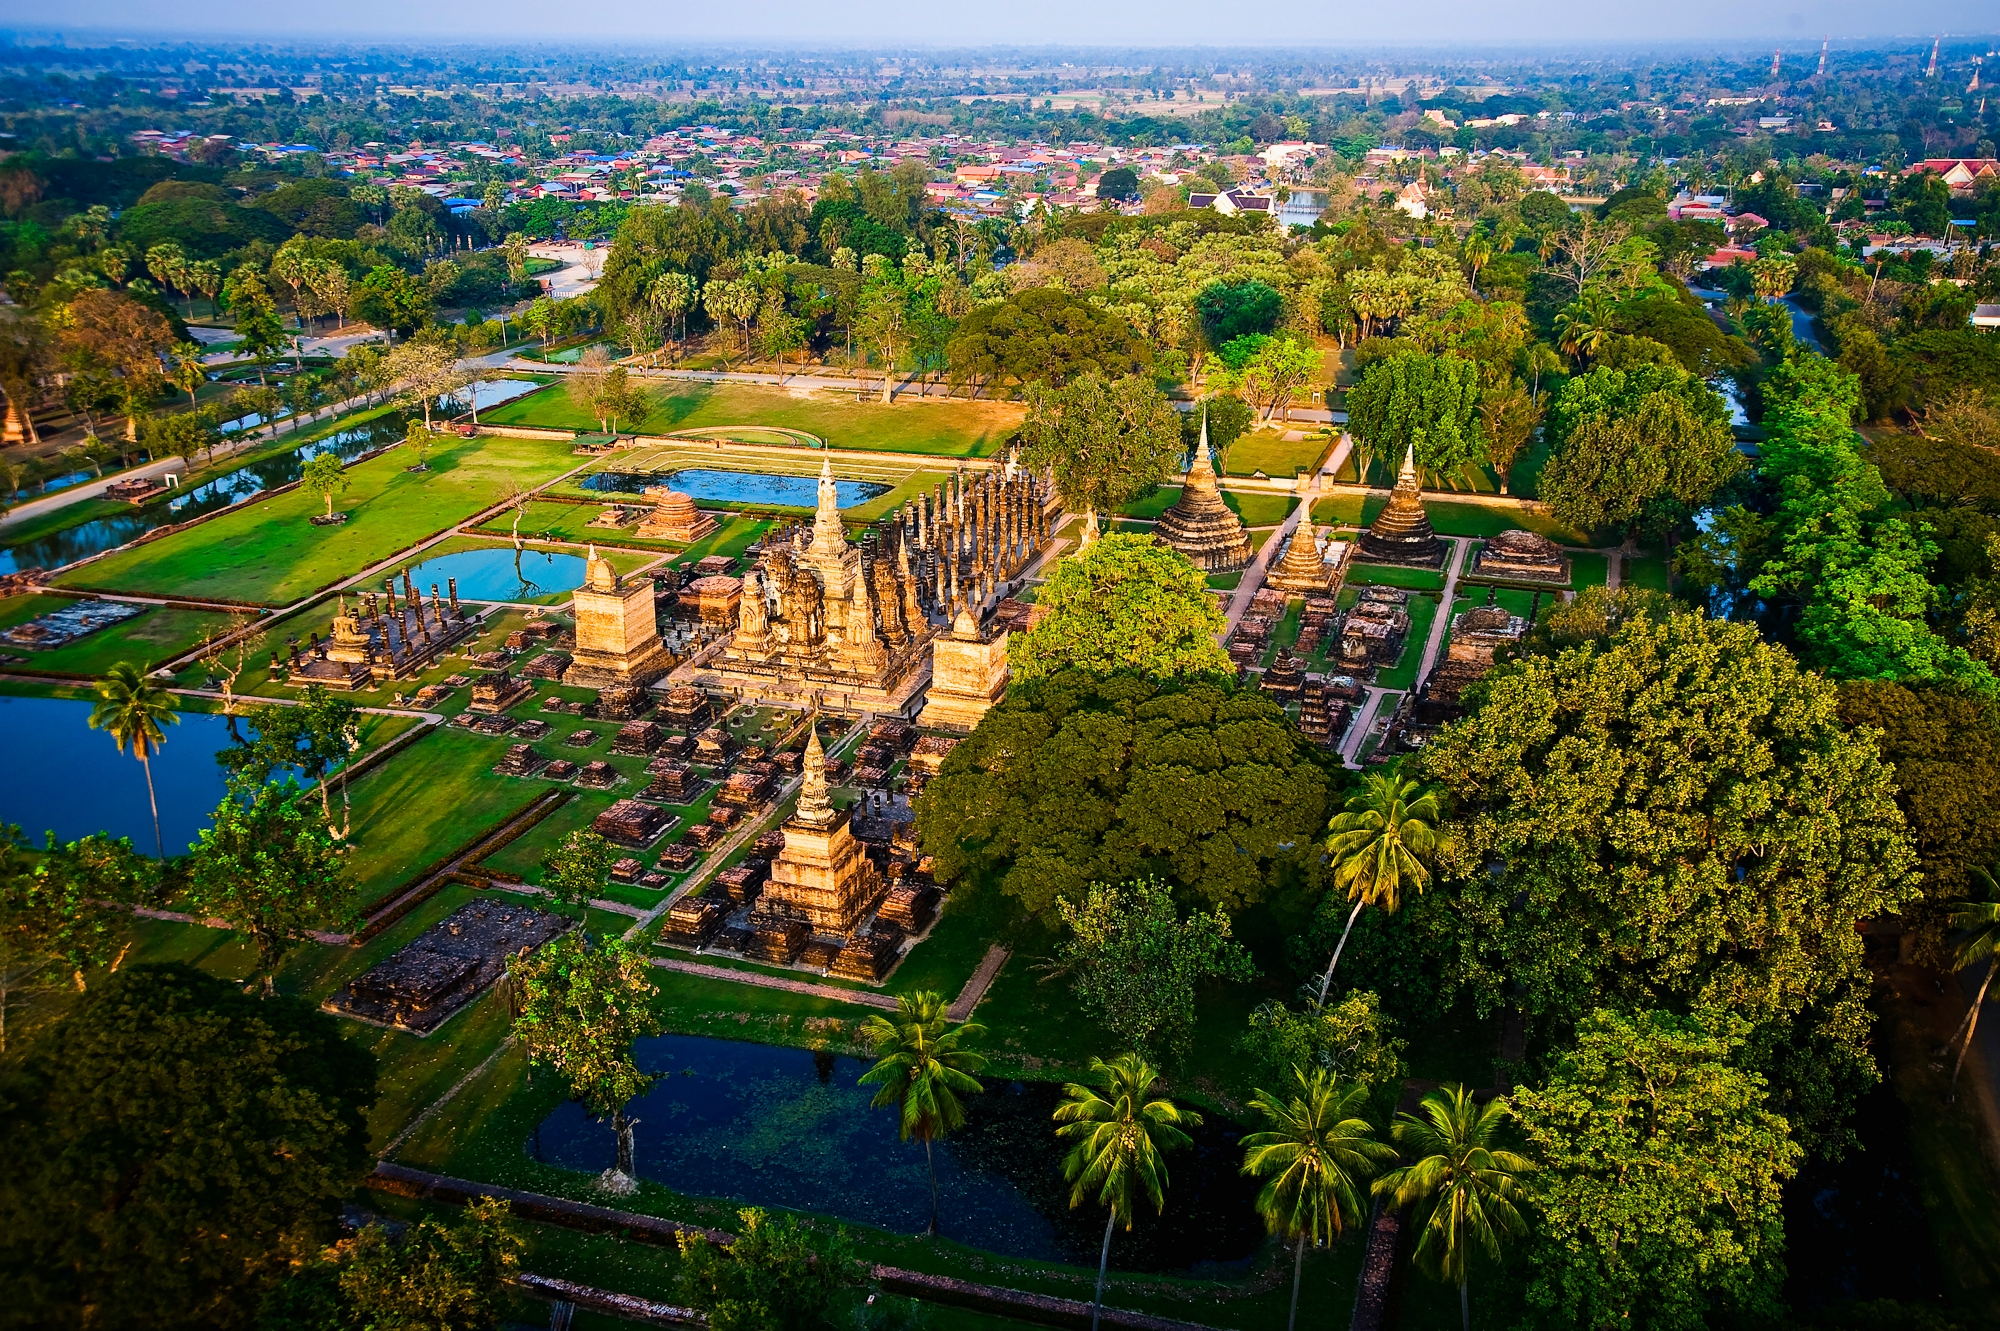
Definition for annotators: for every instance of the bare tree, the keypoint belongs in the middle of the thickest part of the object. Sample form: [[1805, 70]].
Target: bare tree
[[229, 648], [1585, 250]]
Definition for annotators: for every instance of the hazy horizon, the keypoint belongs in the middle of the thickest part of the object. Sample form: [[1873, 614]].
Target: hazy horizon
[[889, 24]]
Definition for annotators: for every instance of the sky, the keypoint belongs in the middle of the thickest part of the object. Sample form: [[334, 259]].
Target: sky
[[880, 24]]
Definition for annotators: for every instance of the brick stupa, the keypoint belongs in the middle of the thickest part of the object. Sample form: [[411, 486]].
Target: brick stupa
[[1306, 569], [1401, 533], [823, 876], [617, 636], [1200, 525], [674, 517]]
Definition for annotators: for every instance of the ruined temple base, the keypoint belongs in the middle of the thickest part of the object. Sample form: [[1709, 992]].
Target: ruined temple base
[[602, 670]]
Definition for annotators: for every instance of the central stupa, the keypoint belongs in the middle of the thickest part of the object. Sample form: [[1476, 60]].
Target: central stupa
[[1200, 525], [1401, 533]]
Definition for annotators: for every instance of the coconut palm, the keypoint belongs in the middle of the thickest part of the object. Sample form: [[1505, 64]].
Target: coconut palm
[[130, 708], [1981, 921], [1477, 252], [1118, 1137], [921, 1071], [1583, 327], [1466, 1189], [1317, 1150], [1380, 842]]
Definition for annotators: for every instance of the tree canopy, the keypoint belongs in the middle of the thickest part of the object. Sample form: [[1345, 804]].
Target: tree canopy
[[1675, 815], [1639, 447], [1106, 441], [1660, 1187], [1414, 400], [1048, 335], [170, 1145], [1077, 779], [1124, 603]]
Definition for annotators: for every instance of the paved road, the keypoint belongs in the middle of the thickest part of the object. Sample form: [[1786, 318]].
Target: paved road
[[1441, 621]]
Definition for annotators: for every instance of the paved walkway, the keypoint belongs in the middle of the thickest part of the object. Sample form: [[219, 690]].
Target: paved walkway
[[1441, 621], [863, 997]]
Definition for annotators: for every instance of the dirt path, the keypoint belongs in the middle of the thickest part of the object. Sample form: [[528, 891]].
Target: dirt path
[[975, 988]]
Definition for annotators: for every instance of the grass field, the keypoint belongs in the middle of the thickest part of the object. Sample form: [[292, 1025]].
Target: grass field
[[944, 428], [1393, 575], [1649, 571], [157, 635], [1403, 675], [1267, 451], [266, 552]]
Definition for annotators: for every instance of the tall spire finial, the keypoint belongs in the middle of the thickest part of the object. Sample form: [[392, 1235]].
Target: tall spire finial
[[815, 806], [1409, 463]]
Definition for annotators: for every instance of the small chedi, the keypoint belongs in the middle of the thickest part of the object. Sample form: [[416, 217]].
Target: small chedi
[[823, 876], [1477, 637], [1200, 525], [968, 676], [617, 634], [446, 967], [383, 640], [1401, 533], [674, 517], [1313, 564], [853, 623], [1522, 556]]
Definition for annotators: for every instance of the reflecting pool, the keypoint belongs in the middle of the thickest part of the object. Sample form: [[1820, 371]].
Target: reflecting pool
[[792, 1128], [108, 533], [749, 488], [56, 773], [500, 573]]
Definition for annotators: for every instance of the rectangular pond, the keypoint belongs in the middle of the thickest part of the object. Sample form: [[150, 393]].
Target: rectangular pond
[[500, 573], [749, 489], [791, 1128], [57, 774], [90, 538]]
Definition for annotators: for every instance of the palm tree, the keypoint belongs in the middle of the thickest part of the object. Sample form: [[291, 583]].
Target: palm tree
[[1119, 1137], [1583, 327], [1982, 943], [130, 707], [1477, 253], [1465, 1188], [1379, 842], [1316, 1151], [921, 1072]]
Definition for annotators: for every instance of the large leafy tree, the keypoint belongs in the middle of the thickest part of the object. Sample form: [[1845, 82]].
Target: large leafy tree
[[1639, 447], [1124, 603], [1662, 1172], [920, 1071], [63, 912], [581, 1005], [1119, 1133], [170, 1146], [1675, 815], [777, 1275], [314, 738], [1313, 1157], [1944, 743], [270, 867], [574, 869], [1076, 779], [1136, 964], [1421, 402], [1047, 335], [1464, 1186], [1843, 573], [1106, 441]]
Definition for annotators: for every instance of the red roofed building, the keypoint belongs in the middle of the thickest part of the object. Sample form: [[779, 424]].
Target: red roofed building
[[1960, 173]]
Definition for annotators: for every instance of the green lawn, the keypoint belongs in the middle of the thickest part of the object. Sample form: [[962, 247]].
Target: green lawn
[[1403, 675], [1644, 571], [944, 428], [1586, 570], [266, 552], [1268, 452], [1394, 575], [157, 635], [558, 520]]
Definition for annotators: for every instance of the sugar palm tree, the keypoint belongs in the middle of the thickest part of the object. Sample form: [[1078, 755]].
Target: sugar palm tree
[[1466, 1189], [130, 708], [1118, 1133], [1380, 842], [1317, 1151], [1981, 921], [921, 1071]]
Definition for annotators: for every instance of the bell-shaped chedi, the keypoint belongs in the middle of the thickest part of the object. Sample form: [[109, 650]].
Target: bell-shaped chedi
[[1200, 525], [1401, 533], [674, 517]]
